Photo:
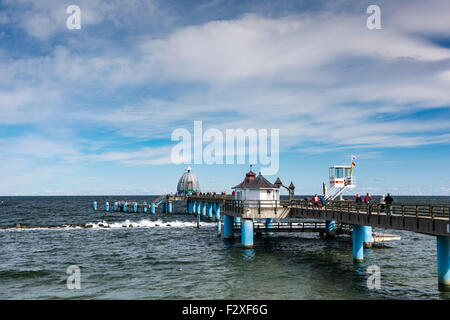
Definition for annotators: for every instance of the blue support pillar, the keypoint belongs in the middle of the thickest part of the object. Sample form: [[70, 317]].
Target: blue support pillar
[[125, 207], [145, 207], [443, 263], [204, 209], [247, 233], [228, 227], [116, 206], [330, 231], [169, 207], [94, 205], [107, 206], [199, 207], [217, 218], [358, 240], [190, 207], [135, 207], [210, 210], [198, 219], [164, 207], [153, 206], [269, 225], [237, 220], [194, 207], [217, 211], [368, 238]]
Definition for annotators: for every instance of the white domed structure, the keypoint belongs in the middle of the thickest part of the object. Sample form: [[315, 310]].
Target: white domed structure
[[188, 183]]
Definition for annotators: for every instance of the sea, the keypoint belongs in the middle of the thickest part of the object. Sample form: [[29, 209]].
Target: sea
[[165, 256]]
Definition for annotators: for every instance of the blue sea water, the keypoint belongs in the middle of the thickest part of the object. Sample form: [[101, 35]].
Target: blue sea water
[[164, 256]]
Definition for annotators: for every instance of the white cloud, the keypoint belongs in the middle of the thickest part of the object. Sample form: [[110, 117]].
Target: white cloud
[[44, 19]]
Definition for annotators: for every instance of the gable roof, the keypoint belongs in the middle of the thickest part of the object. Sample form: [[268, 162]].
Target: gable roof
[[260, 183]]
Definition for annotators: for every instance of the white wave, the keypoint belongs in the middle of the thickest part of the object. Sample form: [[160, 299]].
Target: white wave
[[144, 223]]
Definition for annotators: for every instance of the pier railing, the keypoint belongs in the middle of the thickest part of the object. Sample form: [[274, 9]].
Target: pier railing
[[374, 208], [434, 211]]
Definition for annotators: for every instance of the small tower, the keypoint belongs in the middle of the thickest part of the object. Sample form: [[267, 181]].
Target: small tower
[[188, 183], [341, 178]]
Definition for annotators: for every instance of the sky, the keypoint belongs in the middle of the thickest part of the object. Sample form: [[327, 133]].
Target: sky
[[92, 111]]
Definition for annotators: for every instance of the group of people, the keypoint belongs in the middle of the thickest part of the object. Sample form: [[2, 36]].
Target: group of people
[[385, 202], [318, 201]]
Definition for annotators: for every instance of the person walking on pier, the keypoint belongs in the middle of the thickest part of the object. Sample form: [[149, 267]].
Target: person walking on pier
[[316, 200], [368, 202], [389, 200], [358, 201], [383, 202]]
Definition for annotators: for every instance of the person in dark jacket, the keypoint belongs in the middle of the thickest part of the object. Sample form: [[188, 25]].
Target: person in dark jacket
[[389, 200], [358, 201]]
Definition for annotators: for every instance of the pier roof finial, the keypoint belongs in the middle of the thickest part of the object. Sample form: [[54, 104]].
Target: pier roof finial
[[278, 183]]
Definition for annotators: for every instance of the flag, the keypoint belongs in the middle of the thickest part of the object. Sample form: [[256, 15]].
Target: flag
[[353, 164]]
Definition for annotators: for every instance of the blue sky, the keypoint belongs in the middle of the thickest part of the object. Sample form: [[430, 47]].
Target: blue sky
[[91, 111]]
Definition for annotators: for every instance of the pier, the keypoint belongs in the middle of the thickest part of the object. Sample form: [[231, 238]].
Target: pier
[[255, 207], [338, 217]]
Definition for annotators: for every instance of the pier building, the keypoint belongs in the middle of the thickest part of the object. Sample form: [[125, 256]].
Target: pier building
[[188, 183]]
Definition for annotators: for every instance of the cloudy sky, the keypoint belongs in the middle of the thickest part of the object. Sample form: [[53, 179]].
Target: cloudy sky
[[91, 111]]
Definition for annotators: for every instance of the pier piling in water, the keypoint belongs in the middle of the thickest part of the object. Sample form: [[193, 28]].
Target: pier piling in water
[[198, 219], [107, 206], [269, 225], [330, 231], [210, 211], [443, 262], [247, 233], [94, 205], [204, 209], [169, 207], [368, 237], [358, 243], [199, 207], [228, 227]]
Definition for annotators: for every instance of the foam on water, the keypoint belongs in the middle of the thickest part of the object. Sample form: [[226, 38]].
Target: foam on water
[[145, 223], [104, 225]]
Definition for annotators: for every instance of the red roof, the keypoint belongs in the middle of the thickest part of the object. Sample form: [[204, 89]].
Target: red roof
[[249, 177], [255, 183]]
